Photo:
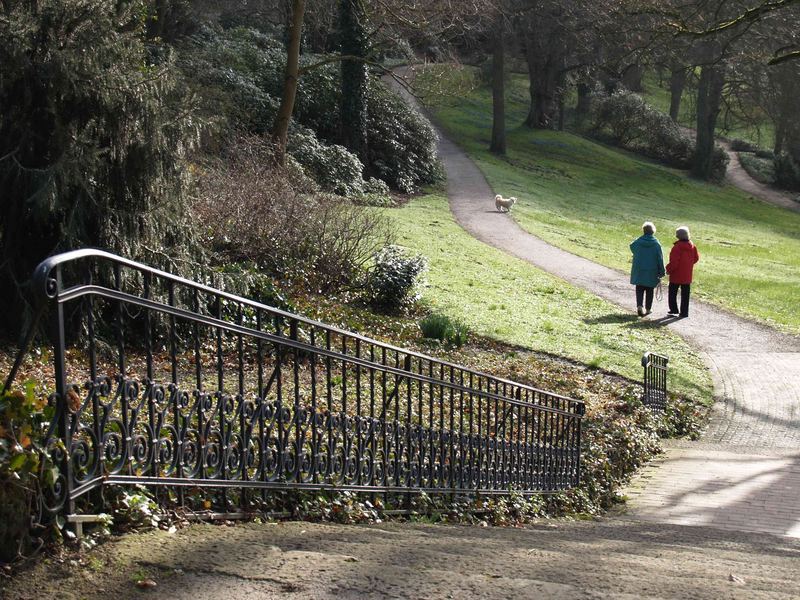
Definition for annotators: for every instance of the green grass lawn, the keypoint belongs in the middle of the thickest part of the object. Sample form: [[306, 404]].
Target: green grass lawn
[[591, 200], [508, 299]]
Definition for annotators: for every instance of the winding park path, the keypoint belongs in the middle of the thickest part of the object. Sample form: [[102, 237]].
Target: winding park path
[[738, 177], [745, 472]]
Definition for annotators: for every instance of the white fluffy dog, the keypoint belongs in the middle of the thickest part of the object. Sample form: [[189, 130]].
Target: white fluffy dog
[[501, 203]]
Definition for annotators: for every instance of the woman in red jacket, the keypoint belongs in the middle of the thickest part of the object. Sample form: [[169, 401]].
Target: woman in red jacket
[[681, 264]]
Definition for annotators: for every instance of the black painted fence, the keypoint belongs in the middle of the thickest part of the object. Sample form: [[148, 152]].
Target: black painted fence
[[170, 382], [655, 381]]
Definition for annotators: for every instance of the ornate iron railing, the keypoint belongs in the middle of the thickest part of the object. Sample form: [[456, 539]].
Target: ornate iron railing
[[655, 381], [165, 381]]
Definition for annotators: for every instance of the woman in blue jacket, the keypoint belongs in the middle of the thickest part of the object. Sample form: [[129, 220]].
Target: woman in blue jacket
[[647, 268]]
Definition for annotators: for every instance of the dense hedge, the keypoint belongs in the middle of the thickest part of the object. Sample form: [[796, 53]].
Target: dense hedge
[[626, 120]]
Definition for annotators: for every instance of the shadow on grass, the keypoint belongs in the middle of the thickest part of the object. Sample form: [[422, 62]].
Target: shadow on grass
[[630, 320]]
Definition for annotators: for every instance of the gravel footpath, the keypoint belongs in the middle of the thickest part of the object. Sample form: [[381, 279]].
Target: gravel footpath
[[755, 370], [612, 559]]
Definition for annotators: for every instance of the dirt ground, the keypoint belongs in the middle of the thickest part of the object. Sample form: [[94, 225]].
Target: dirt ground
[[554, 559]]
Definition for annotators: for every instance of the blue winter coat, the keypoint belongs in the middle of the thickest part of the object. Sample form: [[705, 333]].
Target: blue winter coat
[[648, 261]]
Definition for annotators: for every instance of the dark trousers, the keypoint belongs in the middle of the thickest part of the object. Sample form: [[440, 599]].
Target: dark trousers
[[672, 296], [644, 293]]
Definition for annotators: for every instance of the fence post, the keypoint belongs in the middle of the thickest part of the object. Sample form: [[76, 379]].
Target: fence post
[[655, 381]]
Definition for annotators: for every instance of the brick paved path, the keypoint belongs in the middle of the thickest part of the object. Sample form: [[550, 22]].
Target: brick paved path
[[745, 473]]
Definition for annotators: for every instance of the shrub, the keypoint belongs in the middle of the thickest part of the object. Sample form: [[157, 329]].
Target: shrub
[[761, 153], [333, 167], [787, 172], [24, 467], [394, 278], [272, 217], [402, 143], [440, 327], [626, 120], [738, 145], [760, 169]]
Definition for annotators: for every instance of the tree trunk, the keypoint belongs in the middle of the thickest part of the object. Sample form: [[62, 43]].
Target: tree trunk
[[709, 98], [280, 130], [632, 77], [498, 144], [584, 104], [677, 83], [543, 91], [780, 135], [355, 77]]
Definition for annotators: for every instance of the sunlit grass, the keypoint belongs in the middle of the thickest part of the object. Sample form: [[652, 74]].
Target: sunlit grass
[[506, 298], [591, 200]]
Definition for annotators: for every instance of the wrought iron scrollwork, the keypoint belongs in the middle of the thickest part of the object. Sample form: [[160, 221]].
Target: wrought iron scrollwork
[[177, 383]]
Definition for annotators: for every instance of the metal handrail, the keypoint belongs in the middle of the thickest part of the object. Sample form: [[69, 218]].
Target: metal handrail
[[350, 415]]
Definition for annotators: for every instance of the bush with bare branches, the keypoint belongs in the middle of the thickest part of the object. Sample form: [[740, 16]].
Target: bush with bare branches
[[252, 210]]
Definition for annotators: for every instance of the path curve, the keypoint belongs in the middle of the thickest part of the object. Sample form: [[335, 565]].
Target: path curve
[[737, 176], [745, 473]]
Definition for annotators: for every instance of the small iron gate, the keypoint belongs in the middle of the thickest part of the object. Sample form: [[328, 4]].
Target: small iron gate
[[655, 381], [175, 383]]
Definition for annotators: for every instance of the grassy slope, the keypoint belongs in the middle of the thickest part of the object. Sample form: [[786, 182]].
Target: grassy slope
[[506, 298], [591, 200]]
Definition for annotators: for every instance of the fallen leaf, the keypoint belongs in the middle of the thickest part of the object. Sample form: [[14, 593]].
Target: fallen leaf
[[736, 579], [146, 584]]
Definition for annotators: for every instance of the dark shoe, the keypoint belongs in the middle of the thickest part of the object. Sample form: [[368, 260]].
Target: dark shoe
[[648, 311], [672, 313], [684, 316], [640, 311]]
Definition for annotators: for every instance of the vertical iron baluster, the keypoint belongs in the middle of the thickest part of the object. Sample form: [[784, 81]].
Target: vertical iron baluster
[[244, 433], [452, 449], [431, 428], [396, 420], [296, 408], [329, 398], [442, 480], [314, 441], [372, 426], [346, 440], [281, 434], [62, 402], [471, 479], [420, 435], [148, 337], [409, 418], [154, 425], [198, 359], [358, 418], [261, 402], [384, 416], [526, 445], [480, 435], [461, 467], [120, 322]]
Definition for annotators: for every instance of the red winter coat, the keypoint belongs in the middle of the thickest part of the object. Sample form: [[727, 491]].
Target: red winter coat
[[681, 261]]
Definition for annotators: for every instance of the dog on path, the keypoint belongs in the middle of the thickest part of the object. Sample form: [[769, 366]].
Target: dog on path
[[504, 204]]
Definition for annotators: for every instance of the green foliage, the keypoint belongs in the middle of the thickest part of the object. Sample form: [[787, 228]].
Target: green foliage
[[440, 327], [626, 120], [633, 124], [93, 137], [402, 143], [333, 167], [24, 466], [394, 278], [760, 169]]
